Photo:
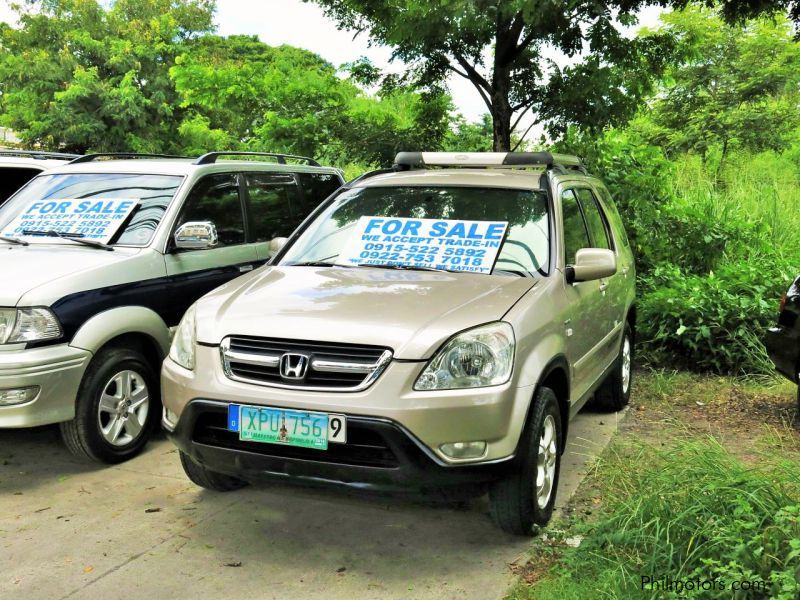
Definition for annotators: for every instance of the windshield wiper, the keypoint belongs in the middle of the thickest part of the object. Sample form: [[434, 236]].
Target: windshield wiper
[[315, 263], [411, 268], [513, 272], [13, 240], [75, 237], [322, 262]]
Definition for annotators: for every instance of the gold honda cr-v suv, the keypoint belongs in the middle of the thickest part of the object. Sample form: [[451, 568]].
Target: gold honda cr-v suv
[[431, 325]]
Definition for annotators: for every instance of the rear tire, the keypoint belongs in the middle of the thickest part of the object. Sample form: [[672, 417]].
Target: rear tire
[[210, 480], [526, 497], [117, 408], [614, 393]]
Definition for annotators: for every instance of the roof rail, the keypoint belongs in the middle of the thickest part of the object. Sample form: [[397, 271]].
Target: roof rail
[[421, 160], [121, 155], [211, 157], [374, 173], [39, 155]]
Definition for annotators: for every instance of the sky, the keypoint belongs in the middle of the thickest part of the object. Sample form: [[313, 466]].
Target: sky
[[304, 25]]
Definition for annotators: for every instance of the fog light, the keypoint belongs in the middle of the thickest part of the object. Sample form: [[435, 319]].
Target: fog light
[[18, 395], [170, 419], [464, 449]]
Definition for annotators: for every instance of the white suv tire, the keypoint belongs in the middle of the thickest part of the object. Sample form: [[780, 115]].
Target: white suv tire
[[120, 378]]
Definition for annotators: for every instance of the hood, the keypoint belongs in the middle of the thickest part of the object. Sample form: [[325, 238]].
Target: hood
[[412, 312], [25, 268]]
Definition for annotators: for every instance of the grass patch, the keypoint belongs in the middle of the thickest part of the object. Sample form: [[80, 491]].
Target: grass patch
[[689, 510]]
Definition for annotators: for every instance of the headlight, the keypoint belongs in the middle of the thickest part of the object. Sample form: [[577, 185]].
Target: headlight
[[476, 358], [182, 349], [19, 325]]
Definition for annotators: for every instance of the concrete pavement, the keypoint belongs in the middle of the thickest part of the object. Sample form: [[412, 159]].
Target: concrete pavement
[[142, 530]]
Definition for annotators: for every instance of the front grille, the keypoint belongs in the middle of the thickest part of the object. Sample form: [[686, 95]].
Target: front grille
[[365, 447], [328, 366]]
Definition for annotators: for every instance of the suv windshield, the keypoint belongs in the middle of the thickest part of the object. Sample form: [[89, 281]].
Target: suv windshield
[[152, 194], [518, 218]]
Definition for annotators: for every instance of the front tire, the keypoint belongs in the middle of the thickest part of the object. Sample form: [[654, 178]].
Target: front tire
[[117, 408], [210, 480], [526, 497], [614, 393]]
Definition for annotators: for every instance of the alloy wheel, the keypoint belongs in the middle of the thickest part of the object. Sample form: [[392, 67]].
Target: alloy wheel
[[546, 462], [123, 408]]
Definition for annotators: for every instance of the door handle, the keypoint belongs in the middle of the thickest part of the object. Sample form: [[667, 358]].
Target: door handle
[[245, 268], [603, 286]]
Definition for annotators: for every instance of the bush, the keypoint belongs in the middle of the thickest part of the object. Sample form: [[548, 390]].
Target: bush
[[688, 511], [712, 322]]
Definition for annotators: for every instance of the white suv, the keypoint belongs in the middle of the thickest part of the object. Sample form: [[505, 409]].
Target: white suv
[[18, 167], [86, 310]]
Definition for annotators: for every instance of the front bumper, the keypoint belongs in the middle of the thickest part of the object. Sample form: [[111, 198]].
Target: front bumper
[[57, 370], [379, 455], [495, 415], [783, 347]]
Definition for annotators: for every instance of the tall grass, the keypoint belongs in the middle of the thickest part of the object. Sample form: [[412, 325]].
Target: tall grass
[[762, 189], [689, 511]]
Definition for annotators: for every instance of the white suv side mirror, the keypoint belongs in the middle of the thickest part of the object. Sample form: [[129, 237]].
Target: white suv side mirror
[[196, 235], [591, 264], [275, 245]]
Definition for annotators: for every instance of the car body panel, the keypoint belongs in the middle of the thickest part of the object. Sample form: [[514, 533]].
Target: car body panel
[[414, 312], [783, 339], [99, 295], [411, 312]]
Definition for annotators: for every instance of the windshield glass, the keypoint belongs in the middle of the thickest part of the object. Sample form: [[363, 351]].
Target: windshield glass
[[377, 224], [150, 194]]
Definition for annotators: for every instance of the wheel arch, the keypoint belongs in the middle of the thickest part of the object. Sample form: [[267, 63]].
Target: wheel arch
[[630, 317], [555, 375], [126, 327]]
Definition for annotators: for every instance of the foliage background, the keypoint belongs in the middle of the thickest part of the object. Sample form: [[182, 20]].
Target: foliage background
[[705, 171]]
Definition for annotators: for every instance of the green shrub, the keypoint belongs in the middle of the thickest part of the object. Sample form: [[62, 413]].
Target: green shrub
[[689, 511], [712, 322]]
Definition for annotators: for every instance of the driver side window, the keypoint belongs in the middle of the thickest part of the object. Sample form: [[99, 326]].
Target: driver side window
[[216, 198]]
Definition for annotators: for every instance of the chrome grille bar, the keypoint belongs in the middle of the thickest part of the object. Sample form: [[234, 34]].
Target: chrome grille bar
[[331, 366]]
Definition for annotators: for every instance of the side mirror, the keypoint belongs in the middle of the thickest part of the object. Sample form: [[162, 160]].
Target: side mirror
[[591, 264], [196, 235], [275, 245]]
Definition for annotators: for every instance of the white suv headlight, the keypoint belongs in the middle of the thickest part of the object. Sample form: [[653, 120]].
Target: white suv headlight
[[19, 325], [182, 349], [479, 357]]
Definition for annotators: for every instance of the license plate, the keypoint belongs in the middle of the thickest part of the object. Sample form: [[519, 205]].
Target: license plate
[[289, 427]]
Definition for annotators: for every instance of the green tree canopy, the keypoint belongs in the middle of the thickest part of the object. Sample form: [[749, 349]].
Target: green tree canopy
[[78, 76], [242, 92], [734, 87], [500, 47]]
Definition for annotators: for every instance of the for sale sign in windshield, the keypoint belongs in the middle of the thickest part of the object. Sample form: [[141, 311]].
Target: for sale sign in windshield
[[452, 245], [97, 219]]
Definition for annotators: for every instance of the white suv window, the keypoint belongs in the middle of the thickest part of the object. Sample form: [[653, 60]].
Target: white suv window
[[153, 192]]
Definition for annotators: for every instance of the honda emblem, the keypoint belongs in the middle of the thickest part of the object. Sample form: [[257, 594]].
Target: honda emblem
[[293, 366]]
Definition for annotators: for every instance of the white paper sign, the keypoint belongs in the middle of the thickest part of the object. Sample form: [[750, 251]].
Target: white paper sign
[[430, 243], [97, 219]]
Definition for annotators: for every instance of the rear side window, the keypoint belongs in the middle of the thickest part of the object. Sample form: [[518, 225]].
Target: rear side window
[[616, 220], [216, 198], [595, 221], [11, 179], [317, 186], [273, 207], [576, 236]]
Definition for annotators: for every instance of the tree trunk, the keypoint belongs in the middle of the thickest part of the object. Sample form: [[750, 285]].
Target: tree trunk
[[501, 110], [504, 48]]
